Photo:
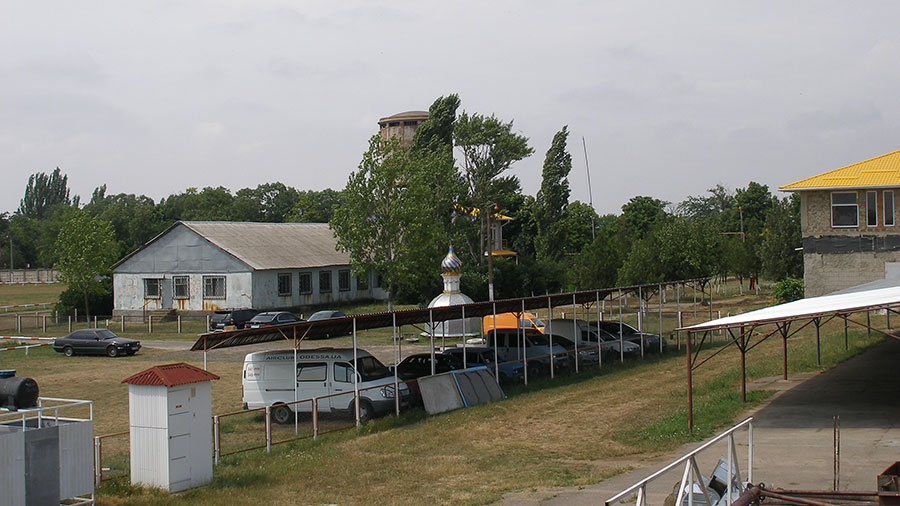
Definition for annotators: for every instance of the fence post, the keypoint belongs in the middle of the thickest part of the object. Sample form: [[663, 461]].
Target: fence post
[[315, 417], [98, 465], [123, 323], [268, 429], [178, 318], [18, 323], [207, 323], [56, 317], [70, 323], [95, 321], [150, 324], [35, 319], [44, 324], [216, 450], [76, 316]]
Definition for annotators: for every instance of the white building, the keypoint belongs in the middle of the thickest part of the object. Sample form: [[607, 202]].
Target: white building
[[202, 266]]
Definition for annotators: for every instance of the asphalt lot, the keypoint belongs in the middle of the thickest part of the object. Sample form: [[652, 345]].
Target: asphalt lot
[[793, 436]]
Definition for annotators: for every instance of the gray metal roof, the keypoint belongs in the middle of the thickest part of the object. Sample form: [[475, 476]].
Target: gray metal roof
[[265, 246]]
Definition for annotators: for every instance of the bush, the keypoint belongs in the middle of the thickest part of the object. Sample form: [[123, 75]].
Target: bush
[[787, 289], [101, 303]]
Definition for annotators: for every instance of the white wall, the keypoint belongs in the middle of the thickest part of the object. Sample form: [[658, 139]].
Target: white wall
[[128, 293], [148, 435]]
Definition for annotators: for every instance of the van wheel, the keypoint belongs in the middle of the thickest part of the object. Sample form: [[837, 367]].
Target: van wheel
[[281, 414], [366, 411]]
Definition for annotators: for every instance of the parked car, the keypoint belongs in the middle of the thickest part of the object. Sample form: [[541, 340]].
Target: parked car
[[326, 314], [537, 349], [418, 365], [485, 356], [587, 355], [324, 372], [95, 342], [237, 318], [511, 321], [270, 318], [587, 335], [629, 333]]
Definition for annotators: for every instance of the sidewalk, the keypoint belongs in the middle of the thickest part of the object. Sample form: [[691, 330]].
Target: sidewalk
[[792, 435]]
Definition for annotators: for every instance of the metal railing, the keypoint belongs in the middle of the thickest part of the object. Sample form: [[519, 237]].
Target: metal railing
[[99, 470], [691, 475]]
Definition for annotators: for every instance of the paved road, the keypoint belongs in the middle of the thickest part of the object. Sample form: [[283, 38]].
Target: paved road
[[793, 435]]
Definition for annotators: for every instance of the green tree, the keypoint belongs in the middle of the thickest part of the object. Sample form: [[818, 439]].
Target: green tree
[[597, 264], [207, 204], [267, 203], [44, 192], [436, 132], [134, 218], [85, 249], [489, 148], [782, 237], [380, 224], [315, 206], [677, 248], [641, 214], [553, 197], [575, 228]]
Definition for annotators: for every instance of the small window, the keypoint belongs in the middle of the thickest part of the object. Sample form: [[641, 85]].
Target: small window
[[844, 210], [305, 282], [152, 288], [181, 287], [871, 210], [284, 284], [362, 284], [888, 198], [378, 281], [311, 372], [213, 287], [343, 372], [344, 281], [325, 282]]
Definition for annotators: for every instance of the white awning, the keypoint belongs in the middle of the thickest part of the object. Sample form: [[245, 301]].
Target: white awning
[[838, 303]]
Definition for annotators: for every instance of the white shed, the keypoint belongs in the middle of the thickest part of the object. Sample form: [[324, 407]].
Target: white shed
[[170, 409]]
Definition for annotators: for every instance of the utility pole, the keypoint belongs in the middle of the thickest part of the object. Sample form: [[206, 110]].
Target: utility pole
[[741, 211], [490, 254], [9, 236], [590, 193]]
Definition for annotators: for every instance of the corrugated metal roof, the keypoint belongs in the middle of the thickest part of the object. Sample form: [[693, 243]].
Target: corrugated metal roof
[[170, 375], [340, 326], [881, 171], [265, 246]]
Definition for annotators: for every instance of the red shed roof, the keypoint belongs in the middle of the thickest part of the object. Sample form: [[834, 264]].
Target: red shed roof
[[170, 375]]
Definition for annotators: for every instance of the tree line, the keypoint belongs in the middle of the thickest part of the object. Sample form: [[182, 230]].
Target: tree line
[[404, 205]]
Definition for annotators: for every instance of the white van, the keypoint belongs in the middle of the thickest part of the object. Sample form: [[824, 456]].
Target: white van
[[586, 336], [268, 381]]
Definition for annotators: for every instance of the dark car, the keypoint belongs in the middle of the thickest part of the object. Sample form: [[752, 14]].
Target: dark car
[[236, 317], [476, 355], [270, 318], [326, 314], [651, 341], [95, 342], [415, 366]]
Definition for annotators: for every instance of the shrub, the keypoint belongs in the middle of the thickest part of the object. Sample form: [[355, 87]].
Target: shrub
[[787, 289]]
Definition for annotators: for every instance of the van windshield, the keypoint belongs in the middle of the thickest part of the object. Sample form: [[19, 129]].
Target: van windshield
[[371, 369]]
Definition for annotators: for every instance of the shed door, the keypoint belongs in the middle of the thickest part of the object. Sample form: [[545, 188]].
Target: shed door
[[180, 416]]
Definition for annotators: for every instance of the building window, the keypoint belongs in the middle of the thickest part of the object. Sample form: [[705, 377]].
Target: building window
[[284, 284], [152, 288], [362, 284], [844, 210], [378, 281], [213, 287], [182, 287], [325, 282], [305, 282], [344, 281], [888, 198], [871, 210]]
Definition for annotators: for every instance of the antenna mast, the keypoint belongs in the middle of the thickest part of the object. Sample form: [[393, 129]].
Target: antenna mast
[[590, 192]]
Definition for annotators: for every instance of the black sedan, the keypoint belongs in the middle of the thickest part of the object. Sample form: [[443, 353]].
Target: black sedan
[[270, 318], [95, 342]]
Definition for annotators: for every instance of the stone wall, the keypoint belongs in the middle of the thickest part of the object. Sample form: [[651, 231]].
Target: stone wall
[[827, 273]]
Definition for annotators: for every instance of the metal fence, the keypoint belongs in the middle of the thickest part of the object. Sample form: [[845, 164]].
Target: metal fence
[[692, 481]]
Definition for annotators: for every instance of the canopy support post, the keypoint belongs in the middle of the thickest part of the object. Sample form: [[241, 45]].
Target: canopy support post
[[690, 389], [846, 344], [818, 322]]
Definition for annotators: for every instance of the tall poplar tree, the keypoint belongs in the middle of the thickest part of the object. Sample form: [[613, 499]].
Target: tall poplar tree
[[553, 197]]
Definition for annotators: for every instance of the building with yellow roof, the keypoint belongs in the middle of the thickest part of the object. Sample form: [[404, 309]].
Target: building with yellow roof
[[848, 222]]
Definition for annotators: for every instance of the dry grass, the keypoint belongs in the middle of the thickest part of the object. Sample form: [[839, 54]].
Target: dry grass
[[11, 295]]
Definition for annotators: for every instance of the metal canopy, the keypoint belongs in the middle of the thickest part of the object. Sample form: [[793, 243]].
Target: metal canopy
[[881, 294], [839, 303], [342, 326]]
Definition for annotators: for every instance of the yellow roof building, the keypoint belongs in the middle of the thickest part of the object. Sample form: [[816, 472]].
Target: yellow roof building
[[879, 172]]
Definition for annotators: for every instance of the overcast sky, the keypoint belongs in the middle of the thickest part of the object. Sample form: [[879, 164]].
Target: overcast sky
[[153, 97]]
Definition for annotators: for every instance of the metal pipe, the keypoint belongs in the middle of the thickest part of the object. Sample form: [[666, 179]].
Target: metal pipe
[[599, 348], [575, 329], [356, 377], [640, 319], [431, 334], [496, 360], [690, 389], [621, 338], [837, 452], [397, 348], [525, 349], [465, 341], [817, 322], [661, 294], [550, 330], [216, 438]]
